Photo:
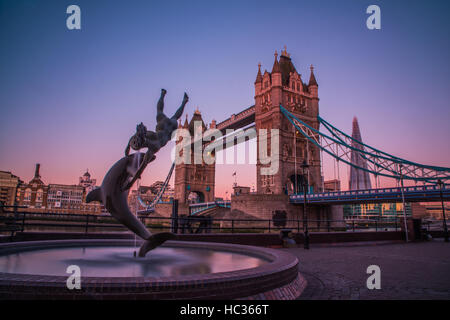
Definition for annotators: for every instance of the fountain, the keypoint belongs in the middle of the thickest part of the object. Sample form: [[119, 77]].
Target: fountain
[[173, 270]]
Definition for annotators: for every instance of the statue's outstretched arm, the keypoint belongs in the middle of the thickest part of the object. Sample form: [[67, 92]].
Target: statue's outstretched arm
[[160, 105], [180, 110]]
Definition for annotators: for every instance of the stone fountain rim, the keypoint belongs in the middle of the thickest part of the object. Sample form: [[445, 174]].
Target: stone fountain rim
[[281, 270], [274, 258]]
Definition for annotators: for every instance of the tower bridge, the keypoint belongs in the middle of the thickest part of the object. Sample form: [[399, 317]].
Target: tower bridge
[[286, 102]]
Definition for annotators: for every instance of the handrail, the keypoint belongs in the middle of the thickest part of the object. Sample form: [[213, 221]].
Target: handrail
[[372, 191], [375, 224]]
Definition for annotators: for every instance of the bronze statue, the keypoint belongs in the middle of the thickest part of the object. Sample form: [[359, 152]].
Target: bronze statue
[[113, 193], [154, 141]]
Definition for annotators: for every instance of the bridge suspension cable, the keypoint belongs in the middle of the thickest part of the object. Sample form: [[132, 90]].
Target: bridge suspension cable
[[340, 146], [160, 192]]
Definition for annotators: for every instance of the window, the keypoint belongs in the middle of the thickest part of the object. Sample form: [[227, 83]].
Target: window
[[39, 195], [27, 196]]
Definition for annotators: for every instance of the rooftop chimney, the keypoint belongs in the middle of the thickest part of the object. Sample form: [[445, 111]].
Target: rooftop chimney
[[36, 172]]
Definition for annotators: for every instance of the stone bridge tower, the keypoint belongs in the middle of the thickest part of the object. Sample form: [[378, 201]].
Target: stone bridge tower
[[194, 180], [284, 86]]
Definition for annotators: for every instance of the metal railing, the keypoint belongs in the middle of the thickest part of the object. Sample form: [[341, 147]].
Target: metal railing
[[196, 208], [420, 192], [45, 222]]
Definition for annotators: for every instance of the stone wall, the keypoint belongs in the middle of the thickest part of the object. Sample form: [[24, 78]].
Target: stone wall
[[263, 206], [165, 209]]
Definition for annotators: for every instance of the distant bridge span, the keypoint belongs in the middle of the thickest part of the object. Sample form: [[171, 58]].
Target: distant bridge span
[[426, 193]]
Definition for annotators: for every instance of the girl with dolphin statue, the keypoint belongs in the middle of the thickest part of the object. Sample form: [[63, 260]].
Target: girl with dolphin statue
[[113, 193]]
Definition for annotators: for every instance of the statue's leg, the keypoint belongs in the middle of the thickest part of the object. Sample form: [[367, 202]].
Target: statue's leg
[[180, 110], [160, 105]]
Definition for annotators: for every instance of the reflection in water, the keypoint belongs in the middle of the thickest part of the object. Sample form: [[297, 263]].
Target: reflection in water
[[119, 262]]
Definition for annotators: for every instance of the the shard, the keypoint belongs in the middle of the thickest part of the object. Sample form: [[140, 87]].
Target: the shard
[[359, 179]]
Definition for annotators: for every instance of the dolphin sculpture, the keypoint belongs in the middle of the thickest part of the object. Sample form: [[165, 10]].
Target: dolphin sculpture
[[115, 198]]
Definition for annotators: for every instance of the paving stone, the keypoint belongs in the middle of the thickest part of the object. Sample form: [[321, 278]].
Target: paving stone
[[408, 271]]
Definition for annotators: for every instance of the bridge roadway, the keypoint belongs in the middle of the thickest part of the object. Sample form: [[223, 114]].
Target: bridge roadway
[[427, 193], [196, 208]]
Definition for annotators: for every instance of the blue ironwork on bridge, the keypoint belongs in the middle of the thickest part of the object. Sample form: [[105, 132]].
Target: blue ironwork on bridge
[[196, 208], [426, 193]]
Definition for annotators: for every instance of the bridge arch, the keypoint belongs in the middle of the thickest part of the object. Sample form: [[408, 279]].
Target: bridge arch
[[196, 196], [294, 183]]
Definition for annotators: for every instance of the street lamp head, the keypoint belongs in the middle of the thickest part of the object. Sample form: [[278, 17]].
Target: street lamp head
[[304, 166]]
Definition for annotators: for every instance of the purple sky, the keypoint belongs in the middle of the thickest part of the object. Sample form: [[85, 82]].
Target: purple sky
[[70, 100]]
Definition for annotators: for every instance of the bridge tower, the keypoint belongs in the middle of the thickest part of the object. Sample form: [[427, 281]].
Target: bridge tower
[[194, 179], [284, 86]]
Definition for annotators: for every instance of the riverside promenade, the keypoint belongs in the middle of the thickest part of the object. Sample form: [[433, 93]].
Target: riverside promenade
[[408, 270]]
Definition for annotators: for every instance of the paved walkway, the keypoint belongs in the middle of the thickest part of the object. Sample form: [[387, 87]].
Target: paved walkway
[[408, 271]]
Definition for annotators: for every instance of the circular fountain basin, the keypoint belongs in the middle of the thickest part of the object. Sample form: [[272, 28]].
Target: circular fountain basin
[[176, 270]]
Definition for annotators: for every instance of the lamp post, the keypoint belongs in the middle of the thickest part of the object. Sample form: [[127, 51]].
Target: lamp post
[[440, 183], [305, 167]]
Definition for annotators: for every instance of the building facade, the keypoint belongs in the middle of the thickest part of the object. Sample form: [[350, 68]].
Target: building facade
[[34, 193], [376, 210], [56, 198], [285, 86], [9, 184], [63, 196], [194, 180], [87, 182], [332, 185], [359, 178]]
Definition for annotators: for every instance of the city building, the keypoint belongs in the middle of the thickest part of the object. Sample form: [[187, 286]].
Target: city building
[[285, 86], [56, 198], [194, 182], [374, 210], [87, 182], [63, 196], [359, 179], [147, 195], [156, 186], [241, 190], [168, 194], [34, 193], [8, 188], [433, 210], [332, 185]]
